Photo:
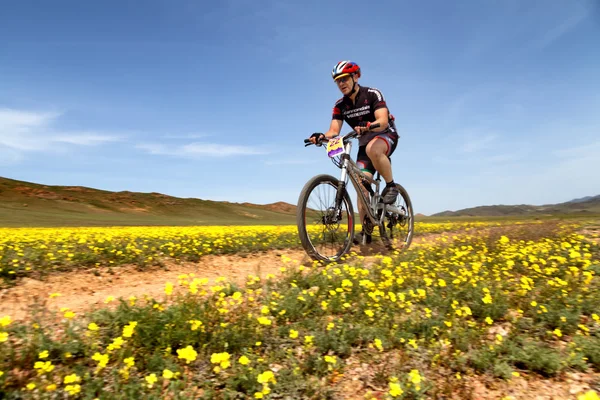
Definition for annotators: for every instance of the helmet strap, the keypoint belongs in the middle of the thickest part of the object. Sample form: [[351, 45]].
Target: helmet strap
[[354, 86]]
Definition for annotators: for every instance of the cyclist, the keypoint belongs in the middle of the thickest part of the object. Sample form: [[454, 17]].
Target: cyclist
[[360, 107]]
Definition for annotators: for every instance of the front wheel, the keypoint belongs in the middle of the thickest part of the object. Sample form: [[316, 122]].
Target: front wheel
[[326, 231], [399, 222]]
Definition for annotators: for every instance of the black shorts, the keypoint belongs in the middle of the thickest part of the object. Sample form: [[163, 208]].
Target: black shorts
[[362, 159]]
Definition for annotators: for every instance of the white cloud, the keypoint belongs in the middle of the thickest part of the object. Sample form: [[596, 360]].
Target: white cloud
[[577, 15], [200, 149], [154, 148], [85, 139], [185, 136], [28, 131]]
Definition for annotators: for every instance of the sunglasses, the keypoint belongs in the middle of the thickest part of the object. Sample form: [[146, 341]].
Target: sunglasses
[[342, 79]]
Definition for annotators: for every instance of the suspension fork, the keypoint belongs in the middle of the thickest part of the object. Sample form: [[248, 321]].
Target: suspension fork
[[339, 196]]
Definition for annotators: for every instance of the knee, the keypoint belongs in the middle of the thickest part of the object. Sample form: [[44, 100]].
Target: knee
[[374, 151]]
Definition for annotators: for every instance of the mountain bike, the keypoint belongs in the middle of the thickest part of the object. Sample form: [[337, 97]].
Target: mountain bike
[[325, 216]]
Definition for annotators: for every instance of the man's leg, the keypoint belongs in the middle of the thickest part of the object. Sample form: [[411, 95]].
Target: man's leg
[[362, 212], [378, 151], [365, 165]]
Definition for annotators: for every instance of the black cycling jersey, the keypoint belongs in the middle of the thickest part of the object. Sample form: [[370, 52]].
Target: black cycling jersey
[[363, 109]]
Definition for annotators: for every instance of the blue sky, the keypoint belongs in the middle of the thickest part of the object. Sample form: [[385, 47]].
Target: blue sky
[[496, 101]]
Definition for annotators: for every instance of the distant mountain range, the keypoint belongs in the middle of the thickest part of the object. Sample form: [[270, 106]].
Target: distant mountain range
[[585, 206], [31, 204]]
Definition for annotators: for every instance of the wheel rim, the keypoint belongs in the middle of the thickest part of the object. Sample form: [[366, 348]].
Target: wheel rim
[[327, 230], [402, 228]]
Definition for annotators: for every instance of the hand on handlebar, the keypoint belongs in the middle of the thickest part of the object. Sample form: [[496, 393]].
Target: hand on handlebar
[[362, 127], [316, 137]]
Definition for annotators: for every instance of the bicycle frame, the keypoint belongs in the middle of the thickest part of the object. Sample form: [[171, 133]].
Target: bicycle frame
[[351, 170]]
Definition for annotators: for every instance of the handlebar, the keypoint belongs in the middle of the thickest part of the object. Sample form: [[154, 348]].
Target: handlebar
[[350, 135]]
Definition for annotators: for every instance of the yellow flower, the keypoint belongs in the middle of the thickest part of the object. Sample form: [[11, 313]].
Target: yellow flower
[[330, 359], [128, 329], [266, 377], [129, 361], [102, 360], [258, 395], [51, 387], [73, 378], [221, 358], [489, 321], [42, 366], [369, 313], [557, 332], [378, 344], [109, 299], [395, 389], [69, 314], [30, 386], [195, 324], [188, 353], [415, 378], [167, 374], [3, 337], [93, 327], [264, 321], [5, 321], [516, 374], [168, 288], [116, 344], [293, 333], [43, 354], [308, 339], [244, 360], [151, 379], [589, 395]]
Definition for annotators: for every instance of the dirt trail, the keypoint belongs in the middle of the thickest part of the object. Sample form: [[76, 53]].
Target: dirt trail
[[82, 290]]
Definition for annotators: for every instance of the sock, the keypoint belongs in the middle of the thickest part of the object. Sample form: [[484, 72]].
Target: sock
[[390, 183]]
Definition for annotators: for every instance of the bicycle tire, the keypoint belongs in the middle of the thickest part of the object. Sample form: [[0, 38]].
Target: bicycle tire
[[301, 220], [409, 221]]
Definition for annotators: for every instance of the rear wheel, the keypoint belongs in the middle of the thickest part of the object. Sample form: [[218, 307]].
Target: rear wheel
[[398, 229], [325, 231]]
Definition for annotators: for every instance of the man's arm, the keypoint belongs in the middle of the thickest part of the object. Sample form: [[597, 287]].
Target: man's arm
[[334, 129], [381, 118]]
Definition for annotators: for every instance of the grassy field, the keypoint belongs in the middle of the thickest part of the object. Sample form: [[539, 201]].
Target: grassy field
[[39, 251], [504, 302]]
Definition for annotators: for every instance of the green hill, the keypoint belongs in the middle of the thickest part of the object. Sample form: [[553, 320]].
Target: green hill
[[30, 204], [587, 206]]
